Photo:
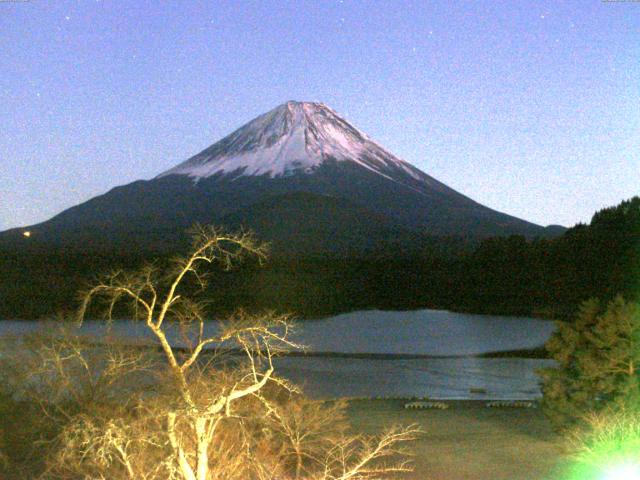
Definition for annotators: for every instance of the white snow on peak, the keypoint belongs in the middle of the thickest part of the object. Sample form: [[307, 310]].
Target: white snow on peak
[[295, 137]]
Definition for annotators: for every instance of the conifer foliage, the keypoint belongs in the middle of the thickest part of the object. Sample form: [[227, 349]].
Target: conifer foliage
[[598, 362]]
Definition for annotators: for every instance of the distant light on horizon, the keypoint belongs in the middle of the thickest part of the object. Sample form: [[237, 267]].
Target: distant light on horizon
[[26, 233]]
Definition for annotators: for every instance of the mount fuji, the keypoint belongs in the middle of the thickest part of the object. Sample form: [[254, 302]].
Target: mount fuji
[[300, 175], [294, 138]]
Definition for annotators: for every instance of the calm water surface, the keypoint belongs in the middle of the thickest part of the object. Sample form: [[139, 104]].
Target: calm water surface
[[420, 332]]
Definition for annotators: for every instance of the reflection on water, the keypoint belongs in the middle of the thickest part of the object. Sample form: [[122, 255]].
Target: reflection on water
[[421, 332], [441, 378]]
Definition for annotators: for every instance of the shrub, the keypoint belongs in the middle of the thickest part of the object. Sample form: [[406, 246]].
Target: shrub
[[598, 360]]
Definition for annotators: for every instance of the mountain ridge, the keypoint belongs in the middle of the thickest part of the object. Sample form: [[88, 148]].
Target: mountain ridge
[[295, 147]]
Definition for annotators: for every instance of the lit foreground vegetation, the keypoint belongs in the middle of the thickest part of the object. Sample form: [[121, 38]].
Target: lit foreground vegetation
[[213, 410], [592, 395], [608, 446]]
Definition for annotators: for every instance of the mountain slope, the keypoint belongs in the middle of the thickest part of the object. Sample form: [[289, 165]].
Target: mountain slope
[[297, 147]]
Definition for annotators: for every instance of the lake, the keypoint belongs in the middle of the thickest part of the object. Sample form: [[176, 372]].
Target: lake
[[447, 341]]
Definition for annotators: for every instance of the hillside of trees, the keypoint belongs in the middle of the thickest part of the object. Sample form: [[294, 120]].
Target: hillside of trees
[[501, 275]]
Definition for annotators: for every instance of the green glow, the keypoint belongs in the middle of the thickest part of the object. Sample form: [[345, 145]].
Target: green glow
[[625, 471], [614, 470], [609, 449]]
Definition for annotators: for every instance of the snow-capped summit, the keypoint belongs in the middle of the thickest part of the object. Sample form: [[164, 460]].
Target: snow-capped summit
[[295, 137]]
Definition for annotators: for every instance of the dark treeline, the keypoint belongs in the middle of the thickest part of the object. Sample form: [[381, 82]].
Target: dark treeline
[[502, 275], [551, 277]]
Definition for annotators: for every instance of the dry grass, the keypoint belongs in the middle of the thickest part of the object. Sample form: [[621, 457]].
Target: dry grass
[[470, 442]]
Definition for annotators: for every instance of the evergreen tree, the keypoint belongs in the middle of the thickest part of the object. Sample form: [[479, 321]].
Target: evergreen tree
[[598, 362]]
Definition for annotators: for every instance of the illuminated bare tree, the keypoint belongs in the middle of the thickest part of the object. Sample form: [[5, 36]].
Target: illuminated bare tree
[[56, 380], [207, 405], [194, 418], [316, 436]]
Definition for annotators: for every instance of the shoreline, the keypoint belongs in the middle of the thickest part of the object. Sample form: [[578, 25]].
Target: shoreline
[[535, 353], [532, 353], [525, 353]]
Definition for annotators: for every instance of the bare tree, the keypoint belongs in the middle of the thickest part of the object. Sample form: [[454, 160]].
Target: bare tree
[[60, 381], [194, 418], [317, 437], [208, 404], [308, 429], [364, 457]]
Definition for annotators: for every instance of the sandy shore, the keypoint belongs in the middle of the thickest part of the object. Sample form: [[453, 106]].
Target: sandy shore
[[469, 441]]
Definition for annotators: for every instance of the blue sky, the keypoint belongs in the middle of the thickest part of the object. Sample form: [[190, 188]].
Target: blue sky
[[529, 107]]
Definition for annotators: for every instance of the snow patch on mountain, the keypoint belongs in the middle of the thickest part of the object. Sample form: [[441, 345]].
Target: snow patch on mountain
[[296, 137]]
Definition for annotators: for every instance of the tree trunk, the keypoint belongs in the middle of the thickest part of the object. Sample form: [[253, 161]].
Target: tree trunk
[[202, 448], [183, 463], [298, 461]]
